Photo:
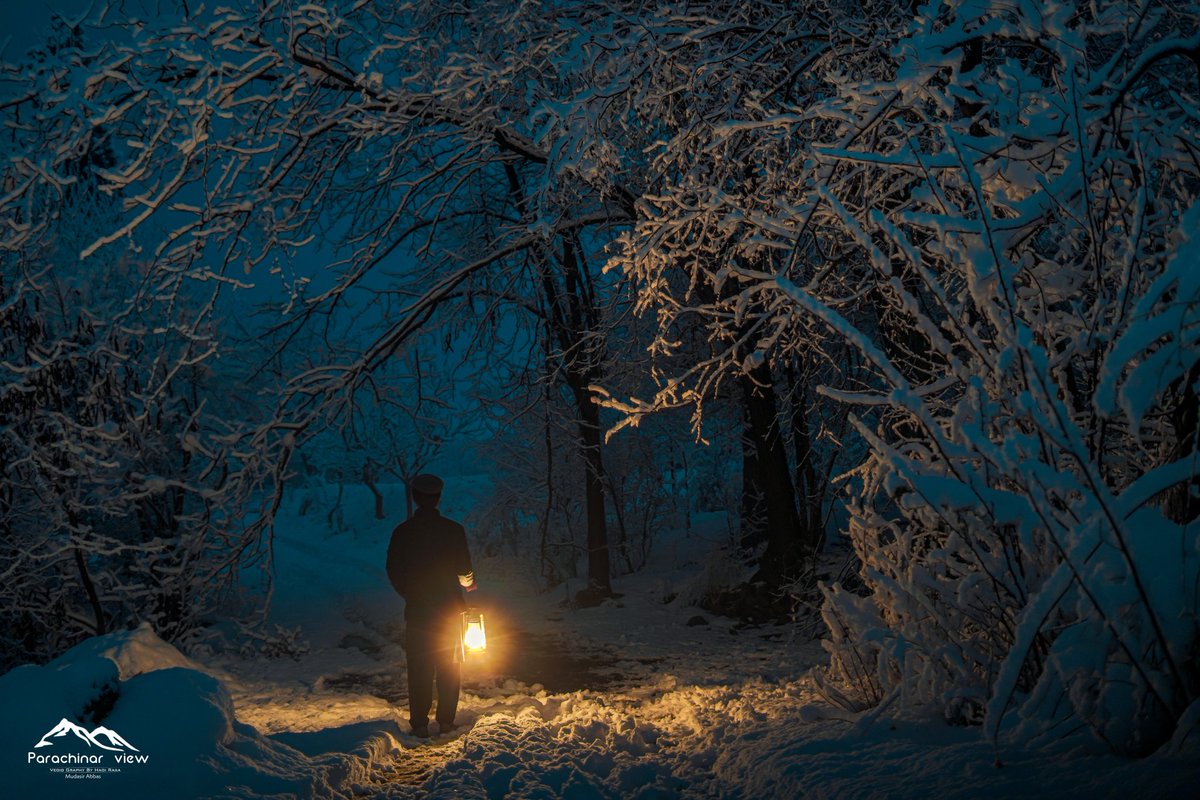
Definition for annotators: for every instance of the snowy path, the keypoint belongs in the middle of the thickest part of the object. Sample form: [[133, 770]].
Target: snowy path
[[606, 702], [611, 698], [621, 701], [625, 700]]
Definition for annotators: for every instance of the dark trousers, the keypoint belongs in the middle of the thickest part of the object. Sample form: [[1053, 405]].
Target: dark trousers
[[431, 650]]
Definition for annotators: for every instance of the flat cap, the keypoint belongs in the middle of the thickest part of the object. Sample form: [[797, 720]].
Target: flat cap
[[426, 484]]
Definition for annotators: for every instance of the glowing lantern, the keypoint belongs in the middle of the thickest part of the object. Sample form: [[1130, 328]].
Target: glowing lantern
[[474, 635]]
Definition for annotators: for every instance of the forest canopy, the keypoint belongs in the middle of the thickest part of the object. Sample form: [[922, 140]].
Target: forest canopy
[[931, 267]]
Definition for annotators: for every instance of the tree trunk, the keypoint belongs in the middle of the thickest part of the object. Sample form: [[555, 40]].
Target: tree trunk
[[334, 517], [808, 491], [621, 543], [787, 540], [754, 501], [572, 321], [598, 570], [549, 571], [369, 480], [90, 588]]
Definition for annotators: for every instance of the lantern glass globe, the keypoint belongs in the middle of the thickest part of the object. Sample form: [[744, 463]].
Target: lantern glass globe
[[473, 638]]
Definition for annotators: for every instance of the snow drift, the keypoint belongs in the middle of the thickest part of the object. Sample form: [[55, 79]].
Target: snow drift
[[163, 704]]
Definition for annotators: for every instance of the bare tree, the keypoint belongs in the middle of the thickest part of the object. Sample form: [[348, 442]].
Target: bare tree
[[132, 490], [242, 138]]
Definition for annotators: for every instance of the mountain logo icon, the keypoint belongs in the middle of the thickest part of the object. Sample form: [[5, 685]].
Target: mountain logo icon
[[94, 738]]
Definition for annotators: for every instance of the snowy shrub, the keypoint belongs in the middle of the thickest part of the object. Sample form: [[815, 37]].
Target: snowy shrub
[[133, 488], [990, 206], [1025, 518], [277, 641]]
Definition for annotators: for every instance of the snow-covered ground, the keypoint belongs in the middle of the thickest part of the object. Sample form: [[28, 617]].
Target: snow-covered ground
[[623, 700]]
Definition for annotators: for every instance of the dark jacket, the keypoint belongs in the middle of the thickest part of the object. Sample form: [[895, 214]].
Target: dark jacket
[[426, 556]]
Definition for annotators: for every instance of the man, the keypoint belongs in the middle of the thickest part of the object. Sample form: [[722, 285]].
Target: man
[[429, 564]]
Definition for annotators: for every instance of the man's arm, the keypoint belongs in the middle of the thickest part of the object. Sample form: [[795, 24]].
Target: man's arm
[[396, 564], [466, 574]]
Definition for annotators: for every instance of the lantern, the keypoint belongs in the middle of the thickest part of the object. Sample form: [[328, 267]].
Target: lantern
[[474, 635]]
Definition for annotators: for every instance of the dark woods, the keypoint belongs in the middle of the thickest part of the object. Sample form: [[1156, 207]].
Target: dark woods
[[918, 278]]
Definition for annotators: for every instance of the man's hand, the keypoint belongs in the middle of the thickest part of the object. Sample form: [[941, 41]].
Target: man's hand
[[472, 587]]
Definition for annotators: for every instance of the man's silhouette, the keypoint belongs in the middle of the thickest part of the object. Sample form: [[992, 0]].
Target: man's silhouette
[[429, 565]]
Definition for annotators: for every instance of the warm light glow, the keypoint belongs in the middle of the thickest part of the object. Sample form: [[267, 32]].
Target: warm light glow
[[474, 638], [474, 635]]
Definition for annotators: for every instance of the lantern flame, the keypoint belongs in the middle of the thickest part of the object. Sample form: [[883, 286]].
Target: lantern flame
[[474, 636]]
